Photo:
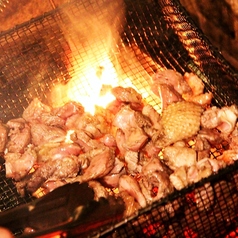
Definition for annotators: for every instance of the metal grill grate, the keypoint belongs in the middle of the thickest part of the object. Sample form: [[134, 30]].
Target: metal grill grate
[[48, 51], [209, 207]]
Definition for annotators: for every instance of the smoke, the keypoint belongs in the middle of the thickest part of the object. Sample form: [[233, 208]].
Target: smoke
[[92, 29], [95, 29]]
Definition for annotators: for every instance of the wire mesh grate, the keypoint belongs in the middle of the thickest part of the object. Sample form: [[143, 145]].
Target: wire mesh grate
[[47, 51]]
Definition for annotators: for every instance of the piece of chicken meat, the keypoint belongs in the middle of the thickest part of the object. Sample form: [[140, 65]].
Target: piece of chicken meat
[[131, 123], [53, 169], [169, 85], [42, 134], [131, 186], [18, 165], [38, 112], [128, 95], [101, 162], [19, 135]]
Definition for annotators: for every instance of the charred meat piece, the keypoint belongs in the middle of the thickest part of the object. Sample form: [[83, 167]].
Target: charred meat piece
[[34, 111], [18, 164], [66, 167], [154, 181], [101, 161], [153, 115], [111, 180], [132, 159], [86, 142], [38, 112], [100, 164], [95, 126], [19, 135]]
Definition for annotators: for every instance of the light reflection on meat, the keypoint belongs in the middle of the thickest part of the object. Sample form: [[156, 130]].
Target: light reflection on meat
[[128, 145]]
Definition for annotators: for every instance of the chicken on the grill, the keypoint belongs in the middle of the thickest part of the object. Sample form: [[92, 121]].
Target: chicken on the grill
[[129, 146]]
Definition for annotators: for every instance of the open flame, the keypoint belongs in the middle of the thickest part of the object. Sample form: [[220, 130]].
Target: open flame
[[96, 65], [92, 40], [92, 86]]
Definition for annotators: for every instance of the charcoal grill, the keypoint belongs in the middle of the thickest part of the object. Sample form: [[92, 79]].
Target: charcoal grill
[[50, 50]]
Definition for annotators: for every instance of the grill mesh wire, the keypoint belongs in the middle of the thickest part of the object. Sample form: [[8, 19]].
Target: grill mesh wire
[[47, 51]]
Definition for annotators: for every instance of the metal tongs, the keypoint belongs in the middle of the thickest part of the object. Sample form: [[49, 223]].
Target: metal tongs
[[70, 210]]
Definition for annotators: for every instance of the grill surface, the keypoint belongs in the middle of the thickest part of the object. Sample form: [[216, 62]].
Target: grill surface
[[48, 51]]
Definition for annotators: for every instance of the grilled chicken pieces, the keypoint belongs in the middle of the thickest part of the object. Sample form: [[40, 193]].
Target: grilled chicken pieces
[[128, 145]]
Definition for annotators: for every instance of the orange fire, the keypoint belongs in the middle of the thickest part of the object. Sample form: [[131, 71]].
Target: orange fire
[[91, 86], [100, 61], [92, 40]]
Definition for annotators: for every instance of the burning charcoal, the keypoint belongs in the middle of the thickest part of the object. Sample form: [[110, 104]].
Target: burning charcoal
[[204, 197]]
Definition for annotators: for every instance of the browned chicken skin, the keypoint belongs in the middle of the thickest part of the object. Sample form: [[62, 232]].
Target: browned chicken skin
[[128, 145]]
